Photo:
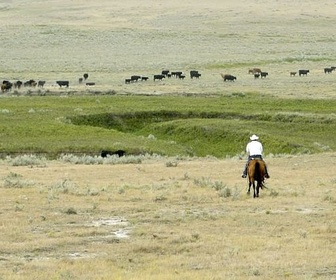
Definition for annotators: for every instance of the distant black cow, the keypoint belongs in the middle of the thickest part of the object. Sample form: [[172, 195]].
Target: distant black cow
[[181, 77], [90, 84], [328, 70], [165, 72], [18, 84], [144, 78], [159, 77], [135, 78], [85, 76], [127, 81], [256, 75], [40, 83], [303, 72], [228, 77], [119, 153], [292, 74], [30, 83], [176, 74], [263, 74], [6, 86], [63, 83], [194, 74]]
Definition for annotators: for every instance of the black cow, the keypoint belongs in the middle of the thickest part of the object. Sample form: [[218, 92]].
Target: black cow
[[181, 77], [229, 77], [63, 83], [292, 74], [159, 77], [144, 78], [165, 72], [256, 75], [328, 70], [194, 74], [263, 74], [303, 72], [135, 78], [30, 83], [6, 86], [176, 74], [90, 84], [119, 153], [127, 81], [40, 83], [18, 84]]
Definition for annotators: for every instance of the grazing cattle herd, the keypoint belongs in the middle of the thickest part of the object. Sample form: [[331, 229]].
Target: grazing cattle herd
[[257, 73], [6, 85], [164, 74]]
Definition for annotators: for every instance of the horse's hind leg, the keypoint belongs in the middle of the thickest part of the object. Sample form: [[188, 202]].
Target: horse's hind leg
[[259, 186], [249, 188], [255, 191]]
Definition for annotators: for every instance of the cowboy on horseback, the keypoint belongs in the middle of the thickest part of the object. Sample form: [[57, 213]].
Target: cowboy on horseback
[[254, 149]]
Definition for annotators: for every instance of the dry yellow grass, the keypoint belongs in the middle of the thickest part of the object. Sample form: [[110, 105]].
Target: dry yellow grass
[[153, 221]]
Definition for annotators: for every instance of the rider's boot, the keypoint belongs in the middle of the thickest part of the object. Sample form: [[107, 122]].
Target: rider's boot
[[244, 175]]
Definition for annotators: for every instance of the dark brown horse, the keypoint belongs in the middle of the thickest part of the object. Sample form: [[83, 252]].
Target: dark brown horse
[[256, 173]]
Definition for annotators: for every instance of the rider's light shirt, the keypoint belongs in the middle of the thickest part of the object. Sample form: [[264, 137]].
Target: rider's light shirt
[[254, 148]]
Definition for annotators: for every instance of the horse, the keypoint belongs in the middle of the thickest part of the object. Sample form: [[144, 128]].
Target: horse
[[256, 172]]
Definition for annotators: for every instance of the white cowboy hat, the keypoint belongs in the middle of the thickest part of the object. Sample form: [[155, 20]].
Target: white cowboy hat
[[254, 137]]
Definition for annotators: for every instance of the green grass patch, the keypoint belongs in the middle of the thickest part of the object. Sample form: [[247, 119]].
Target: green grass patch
[[196, 126]]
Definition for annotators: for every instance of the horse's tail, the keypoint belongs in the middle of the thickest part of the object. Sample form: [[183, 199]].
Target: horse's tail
[[259, 173]]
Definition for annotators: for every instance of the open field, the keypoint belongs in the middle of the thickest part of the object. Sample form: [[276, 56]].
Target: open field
[[111, 40], [166, 218], [176, 207]]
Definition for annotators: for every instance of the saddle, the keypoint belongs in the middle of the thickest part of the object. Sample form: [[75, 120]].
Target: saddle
[[255, 157], [259, 157]]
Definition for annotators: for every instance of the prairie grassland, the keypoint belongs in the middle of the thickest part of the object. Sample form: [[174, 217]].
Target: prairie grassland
[[55, 40], [166, 219]]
